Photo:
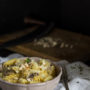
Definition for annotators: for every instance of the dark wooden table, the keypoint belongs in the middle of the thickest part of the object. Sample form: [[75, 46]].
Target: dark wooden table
[[80, 50]]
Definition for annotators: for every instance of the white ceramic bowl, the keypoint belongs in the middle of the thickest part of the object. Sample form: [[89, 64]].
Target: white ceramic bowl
[[49, 85]]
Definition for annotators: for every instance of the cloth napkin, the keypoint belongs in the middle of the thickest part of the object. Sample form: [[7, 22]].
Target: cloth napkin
[[78, 73]]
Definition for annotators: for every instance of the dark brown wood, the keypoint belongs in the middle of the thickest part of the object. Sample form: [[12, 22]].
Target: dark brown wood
[[80, 50]]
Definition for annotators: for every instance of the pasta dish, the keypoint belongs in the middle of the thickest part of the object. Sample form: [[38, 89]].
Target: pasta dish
[[27, 71]]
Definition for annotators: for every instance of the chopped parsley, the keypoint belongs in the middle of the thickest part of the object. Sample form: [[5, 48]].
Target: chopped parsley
[[28, 60]]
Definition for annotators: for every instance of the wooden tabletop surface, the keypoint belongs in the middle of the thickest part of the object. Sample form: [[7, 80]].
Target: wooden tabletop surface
[[75, 46]]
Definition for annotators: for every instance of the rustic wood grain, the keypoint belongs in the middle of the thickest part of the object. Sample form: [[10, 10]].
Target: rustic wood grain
[[80, 50]]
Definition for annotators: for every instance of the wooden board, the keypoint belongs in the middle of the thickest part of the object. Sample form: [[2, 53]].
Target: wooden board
[[80, 50]]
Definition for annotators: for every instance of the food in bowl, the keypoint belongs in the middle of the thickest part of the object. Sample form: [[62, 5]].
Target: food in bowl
[[45, 85], [27, 71]]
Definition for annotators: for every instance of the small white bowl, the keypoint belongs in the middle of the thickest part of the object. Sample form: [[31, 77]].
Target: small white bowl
[[49, 85]]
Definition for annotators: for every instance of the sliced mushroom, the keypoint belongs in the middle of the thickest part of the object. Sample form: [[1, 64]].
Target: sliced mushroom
[[33, 74]]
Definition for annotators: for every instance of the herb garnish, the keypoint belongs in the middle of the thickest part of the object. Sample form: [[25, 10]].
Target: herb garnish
[[28, 60]]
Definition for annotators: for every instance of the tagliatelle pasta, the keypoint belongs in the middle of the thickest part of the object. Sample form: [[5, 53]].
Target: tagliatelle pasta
[[27, 71]]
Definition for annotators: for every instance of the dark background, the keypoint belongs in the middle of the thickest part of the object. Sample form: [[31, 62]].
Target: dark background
[[73, 15]]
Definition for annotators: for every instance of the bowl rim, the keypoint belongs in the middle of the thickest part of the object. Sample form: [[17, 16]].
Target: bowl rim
[[35, 84]]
